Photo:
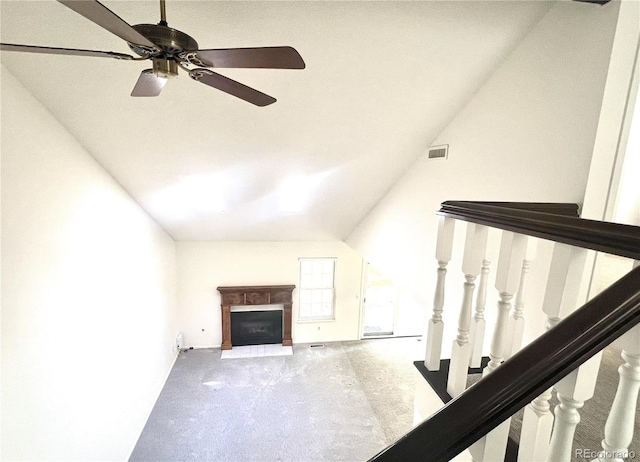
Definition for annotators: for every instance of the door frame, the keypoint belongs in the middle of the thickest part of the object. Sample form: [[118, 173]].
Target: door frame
[[363, 293]]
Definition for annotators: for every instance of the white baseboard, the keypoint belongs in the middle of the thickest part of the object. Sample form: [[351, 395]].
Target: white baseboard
[[199, 347], [166, 377]]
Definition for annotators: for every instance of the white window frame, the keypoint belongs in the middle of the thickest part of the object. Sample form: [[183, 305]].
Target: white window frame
[[306, 291]]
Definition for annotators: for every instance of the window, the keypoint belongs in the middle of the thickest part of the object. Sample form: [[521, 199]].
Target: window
[[317, 293]]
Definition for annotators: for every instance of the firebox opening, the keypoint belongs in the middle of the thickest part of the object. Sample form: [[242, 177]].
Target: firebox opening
[[256, 327]]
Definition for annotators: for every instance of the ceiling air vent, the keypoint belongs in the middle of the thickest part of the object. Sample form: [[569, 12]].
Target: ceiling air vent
[[439, 152]]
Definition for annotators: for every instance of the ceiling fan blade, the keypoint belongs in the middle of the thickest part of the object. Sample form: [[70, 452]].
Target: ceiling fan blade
[[208, 77], [264, 58], [62, 51], [104, 17], [148, 84]]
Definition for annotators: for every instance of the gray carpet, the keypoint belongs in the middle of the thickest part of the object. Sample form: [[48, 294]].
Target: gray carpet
[[344, 402]]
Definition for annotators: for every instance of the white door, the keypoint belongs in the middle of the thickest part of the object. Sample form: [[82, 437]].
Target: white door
[[379, 307]]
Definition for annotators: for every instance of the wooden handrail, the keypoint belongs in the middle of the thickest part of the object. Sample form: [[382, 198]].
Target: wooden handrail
[[523, 377], [554, 222]]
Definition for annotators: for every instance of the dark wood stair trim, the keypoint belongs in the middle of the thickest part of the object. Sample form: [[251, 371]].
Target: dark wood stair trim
[[553, 222], [437, 380]]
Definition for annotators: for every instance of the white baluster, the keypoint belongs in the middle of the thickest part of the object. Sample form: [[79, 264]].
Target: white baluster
[[618, 431], [537, 423], [572, 392], [461, 348], [517, 321], [566, 419], [474, 250], [561, 299], [498, 341], [512, 252], [513, 249], [435, 329], [476, 338]]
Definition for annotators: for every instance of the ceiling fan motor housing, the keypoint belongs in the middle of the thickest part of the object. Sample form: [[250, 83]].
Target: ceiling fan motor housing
[[170, 41]]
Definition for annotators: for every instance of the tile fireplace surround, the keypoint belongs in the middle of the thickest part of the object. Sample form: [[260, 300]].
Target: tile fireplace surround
[[255, 295]]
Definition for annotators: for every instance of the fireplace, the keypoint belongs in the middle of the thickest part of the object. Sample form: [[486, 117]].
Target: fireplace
[[245, 303], [256, 327]]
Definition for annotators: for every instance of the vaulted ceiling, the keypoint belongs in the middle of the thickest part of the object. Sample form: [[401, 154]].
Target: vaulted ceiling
[[382, 79]]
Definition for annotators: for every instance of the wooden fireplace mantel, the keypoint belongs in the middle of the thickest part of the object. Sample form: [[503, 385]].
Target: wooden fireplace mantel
[[255, 295]]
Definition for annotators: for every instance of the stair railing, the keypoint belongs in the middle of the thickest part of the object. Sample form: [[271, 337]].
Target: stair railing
[[480, 414]]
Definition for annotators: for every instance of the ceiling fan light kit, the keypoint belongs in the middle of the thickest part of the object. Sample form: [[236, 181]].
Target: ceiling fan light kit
[[170, 50]]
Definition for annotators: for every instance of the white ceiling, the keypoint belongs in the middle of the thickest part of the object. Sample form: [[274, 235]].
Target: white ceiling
[[382, 80]]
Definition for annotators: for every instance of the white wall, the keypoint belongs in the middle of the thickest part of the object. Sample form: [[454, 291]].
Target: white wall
[[614, 140], [628, 198], [203, 266], [88, 296], [527, 135], [628, 206], [612, 191]]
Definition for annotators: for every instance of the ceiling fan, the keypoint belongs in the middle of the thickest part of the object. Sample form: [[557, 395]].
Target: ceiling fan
[[170, 49]]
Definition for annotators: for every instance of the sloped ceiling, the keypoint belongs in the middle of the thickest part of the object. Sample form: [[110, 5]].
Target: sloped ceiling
[[382, 80]]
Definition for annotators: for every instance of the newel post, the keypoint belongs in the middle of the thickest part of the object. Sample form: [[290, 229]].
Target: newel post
[[435, 329]]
